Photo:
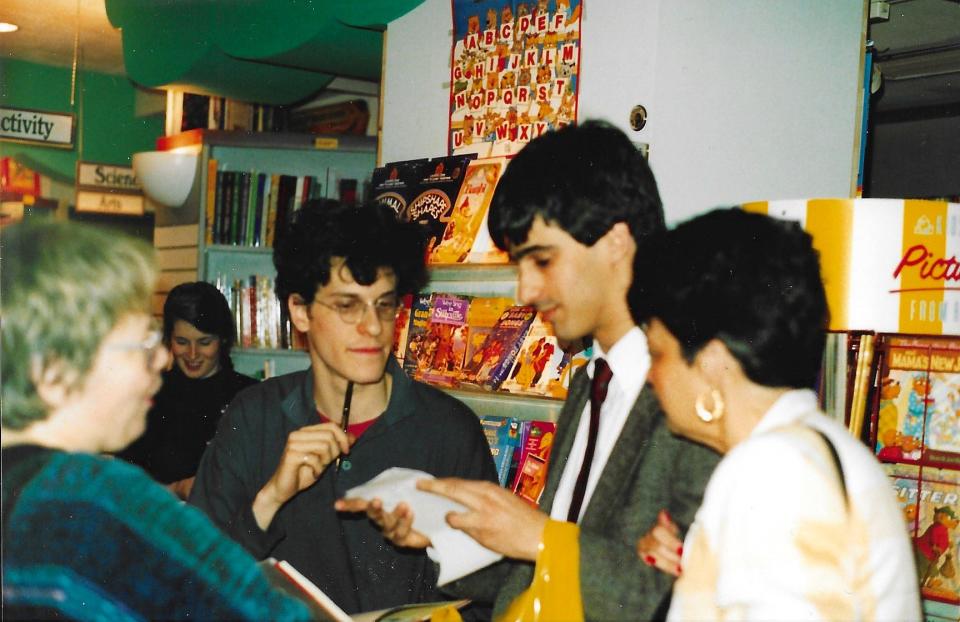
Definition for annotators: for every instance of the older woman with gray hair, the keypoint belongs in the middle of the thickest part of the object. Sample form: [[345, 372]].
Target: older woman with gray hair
[[87, 536]]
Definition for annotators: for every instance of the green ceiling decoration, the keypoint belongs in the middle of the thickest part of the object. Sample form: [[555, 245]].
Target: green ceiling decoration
[[266, 51]]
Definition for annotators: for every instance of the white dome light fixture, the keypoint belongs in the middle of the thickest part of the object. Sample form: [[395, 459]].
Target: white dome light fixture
[[166, 176]]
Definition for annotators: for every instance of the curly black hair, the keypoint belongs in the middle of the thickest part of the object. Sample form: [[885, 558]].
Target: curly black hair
[[583, 178], [369, 238], [749, 280]]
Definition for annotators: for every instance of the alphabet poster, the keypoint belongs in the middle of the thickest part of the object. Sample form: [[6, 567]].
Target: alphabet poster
[[514, 72]]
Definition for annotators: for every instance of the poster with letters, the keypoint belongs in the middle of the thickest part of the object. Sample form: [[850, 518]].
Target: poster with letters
[[514, 72]]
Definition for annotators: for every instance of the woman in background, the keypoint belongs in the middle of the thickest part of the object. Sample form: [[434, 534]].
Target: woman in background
[[799, 520], [199, 330], [87, 536]]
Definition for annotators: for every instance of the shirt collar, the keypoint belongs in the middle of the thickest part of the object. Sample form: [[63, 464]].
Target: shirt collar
[[789, 408], [629, 360]]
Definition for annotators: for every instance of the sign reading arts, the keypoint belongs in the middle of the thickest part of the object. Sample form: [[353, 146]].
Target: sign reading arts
[[109, 203], [36, 127]]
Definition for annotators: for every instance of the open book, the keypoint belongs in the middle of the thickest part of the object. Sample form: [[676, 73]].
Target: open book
[[287, 578]]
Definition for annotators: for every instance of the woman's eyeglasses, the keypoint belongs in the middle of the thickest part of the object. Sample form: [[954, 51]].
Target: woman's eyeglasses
[[151, 346]]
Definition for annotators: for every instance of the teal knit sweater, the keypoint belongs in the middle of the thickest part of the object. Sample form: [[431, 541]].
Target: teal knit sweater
[[93, 538]]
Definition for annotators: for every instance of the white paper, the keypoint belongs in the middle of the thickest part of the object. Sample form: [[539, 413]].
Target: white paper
[[457, 553]]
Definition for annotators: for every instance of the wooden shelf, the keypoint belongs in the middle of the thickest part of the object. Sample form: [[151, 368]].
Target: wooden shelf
[[267, 140]]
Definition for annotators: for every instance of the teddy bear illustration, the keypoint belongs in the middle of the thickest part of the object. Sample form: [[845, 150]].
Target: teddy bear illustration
[[506, 14], [917, 404], [508, 80], [524, 76], [473, 24], [933, 545], [543, 74], [491, 19], [468, 129]]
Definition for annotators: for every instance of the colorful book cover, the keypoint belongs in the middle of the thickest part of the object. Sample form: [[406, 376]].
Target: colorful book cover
[[437, 189], [514, 72], [538, 362], [499, 349], [575, 356], [503, 435], [918, 410], [417, 357], [930, 500], [211, 199], [400, 328], [447, 337], [469, 211], [271, 216], [396, 184], [482, 317], [536, 444]]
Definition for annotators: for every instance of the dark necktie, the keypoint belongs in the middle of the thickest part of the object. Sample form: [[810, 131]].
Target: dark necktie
[[598, 392]]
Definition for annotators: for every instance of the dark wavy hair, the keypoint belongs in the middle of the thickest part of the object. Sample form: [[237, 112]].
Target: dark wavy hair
[[749, 280], [583, 178], [203, 306], [369, 238]]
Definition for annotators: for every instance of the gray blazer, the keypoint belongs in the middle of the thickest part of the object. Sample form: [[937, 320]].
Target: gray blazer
[[649, 469]]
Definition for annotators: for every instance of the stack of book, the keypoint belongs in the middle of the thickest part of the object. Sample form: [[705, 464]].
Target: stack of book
[[249, 208], [449, 196], [487, 343], [915, 433]]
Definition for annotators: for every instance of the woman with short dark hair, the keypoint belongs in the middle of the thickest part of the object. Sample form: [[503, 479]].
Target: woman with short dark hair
[[799, 520], [199, 330]]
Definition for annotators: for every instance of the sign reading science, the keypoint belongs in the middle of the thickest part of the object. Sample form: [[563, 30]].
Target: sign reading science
[[35, 127], [889, 265]]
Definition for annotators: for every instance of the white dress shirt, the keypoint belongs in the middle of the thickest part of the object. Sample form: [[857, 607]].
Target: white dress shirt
[[629, 359]]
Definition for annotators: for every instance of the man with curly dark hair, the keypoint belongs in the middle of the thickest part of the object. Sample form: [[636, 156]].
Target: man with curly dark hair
[[282, 454]]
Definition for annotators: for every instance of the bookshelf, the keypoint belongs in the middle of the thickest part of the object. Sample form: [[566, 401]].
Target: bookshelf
[[185, 251], [180, 238]]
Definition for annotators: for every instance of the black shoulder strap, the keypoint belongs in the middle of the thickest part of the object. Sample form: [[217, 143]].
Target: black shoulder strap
[[836, 462]]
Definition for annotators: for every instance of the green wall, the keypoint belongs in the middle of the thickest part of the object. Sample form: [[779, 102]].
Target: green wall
[[106, 128]]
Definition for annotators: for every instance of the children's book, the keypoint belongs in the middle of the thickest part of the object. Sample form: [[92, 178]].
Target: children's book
[[284, 577], [437, 189], [447, 338], [418, 355], [482, 316], [499, 349], [918, 408], [536, 444], [538, 362], [469, 211], [401, 326], [930, 502], [395, 184], [503, 435]]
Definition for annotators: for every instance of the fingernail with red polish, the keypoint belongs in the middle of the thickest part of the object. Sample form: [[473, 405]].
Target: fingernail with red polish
[[680, 551], [679, 569], [649, 559]]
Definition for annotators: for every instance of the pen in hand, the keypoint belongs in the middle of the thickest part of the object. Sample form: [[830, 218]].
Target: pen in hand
[[345, 415]]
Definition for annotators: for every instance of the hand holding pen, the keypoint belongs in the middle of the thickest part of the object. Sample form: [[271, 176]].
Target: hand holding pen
[[308, 452], [345, 415]]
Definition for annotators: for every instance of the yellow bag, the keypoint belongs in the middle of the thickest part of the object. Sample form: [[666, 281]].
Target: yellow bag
[[554, 593]]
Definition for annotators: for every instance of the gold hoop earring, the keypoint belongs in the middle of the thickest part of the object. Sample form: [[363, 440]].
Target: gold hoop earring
[[705, 415]]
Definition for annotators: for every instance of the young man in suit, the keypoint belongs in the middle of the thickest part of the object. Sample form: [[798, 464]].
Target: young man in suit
[[571, 209]]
